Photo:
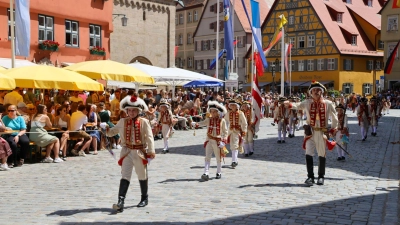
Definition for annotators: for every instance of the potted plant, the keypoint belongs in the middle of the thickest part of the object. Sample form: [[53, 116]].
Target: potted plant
[[49, 45], [97, 51]]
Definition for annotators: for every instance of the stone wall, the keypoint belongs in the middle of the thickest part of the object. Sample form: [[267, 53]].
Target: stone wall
[[149, 36]]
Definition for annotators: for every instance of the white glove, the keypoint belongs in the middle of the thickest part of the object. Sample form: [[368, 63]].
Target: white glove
[[221, 144], [103, 125]]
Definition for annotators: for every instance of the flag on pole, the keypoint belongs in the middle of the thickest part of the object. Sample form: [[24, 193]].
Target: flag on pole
[[288, 47], [214, 61], [228, 32], [277, 34], [256, 39], [22, 28], [396, 4], [176, 50], [256, 102], [390, 60]]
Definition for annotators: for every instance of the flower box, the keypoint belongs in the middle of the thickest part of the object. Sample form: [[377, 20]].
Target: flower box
[[93, 52], [49, 46]]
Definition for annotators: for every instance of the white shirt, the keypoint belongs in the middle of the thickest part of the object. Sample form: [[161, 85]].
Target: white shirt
[[78, 118], [13, 98]]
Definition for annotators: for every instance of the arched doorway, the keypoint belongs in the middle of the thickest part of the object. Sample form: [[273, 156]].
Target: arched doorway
[[142, 60]]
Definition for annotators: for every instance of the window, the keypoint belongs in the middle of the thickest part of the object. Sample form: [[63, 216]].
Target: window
[[311, 41], [198, 65], [370, 3], [354, 40], [348, 1], [320, 64], [292, 68], [381, 44], [241, 42], [189, 38], [180, 18], [181, 61], [9, 23], [205, 45], [292, 40], [195, 17], [378, 65], [300, 19], [370, 65], [331, 64], [71, 33], [176, 19], [367, 89], [176, 62], [391, 47], [189, 17], [180, 39], [291, 20], [300, 65], [212, 44], [392, 23], [310, 65], [301, 42], [347, 64], [189, 62], [94, 35], [339, 17], [46, 26], [347, 88], [205, 64]]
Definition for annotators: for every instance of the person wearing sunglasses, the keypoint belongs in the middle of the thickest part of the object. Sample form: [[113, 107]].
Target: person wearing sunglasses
[[17, 123]]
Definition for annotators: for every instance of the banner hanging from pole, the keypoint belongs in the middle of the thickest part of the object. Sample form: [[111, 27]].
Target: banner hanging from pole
[[22, 28]]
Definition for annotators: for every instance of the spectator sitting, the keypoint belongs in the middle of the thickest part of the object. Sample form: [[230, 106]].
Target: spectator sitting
[[92, 130], [40, 136], [62, 121], [5, 150], [195, 114], [77, 125], [23, 111], [17, 123]]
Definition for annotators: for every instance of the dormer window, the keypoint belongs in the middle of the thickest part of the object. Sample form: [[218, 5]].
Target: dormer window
[[348, 1], [369, 3], [339, 17], [354, 40]]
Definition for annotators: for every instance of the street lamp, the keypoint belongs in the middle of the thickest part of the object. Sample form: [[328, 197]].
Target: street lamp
[[124, 19], [273, 74]]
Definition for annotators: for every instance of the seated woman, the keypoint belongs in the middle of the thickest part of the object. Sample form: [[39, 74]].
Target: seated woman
[[62, 121], [105, 118], [92, 130], [5, 150], [17, 123], [40, 136]]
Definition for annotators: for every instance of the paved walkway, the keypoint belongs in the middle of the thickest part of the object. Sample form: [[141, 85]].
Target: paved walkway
[[266, 188]]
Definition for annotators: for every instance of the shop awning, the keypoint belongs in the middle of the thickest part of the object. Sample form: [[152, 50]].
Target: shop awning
[[307, 84]]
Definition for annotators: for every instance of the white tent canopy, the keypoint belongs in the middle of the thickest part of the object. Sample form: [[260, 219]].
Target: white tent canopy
[[172, 76], [6, 63], [129, 85]]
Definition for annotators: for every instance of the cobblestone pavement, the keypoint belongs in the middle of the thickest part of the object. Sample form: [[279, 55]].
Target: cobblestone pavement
[[266, 188]]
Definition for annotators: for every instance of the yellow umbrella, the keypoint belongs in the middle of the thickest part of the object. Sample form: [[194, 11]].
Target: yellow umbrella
[[2, 68], [48, 77], [6, 82], [111, 70]]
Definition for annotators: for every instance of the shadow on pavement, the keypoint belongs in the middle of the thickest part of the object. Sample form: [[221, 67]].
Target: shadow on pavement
[[352, 211]]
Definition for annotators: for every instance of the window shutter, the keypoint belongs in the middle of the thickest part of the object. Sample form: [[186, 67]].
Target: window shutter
[[367, 65], [295, 65], [222, 43], [208, 44], [215, 43], [305, 65], [195, 64], [201, 64], [352, 64], [201, 47], [344, 64], [316, 64], [215, 26], [351, 88], [343, 85], [326, 64], [363, 89], [208, 63], [221, 7], [211, 25], [195, 46], [336, 64]]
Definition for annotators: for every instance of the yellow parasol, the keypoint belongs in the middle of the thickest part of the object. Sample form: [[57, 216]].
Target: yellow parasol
[[2, 68], [111, 70], [6, 82], [48, 77]]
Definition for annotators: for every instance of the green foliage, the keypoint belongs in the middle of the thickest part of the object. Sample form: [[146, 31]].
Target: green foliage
[[335, 92]]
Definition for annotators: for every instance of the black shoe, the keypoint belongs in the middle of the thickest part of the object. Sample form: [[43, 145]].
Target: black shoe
[[279, 141], [343, 158], [143, 189], [234, 164], [164, 151], [246, 155], [292, 135], [143, 201], [120, 205], [372, 133], [204, 177], [363, 139], [320, 181], [167, 151], [339, 158], [310, 181], [218, 176], [251, 153], [283, 141], [273, 124]]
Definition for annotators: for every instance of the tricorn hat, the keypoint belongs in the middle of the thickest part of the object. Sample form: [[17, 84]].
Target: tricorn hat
[[340, 106], [282, 99], [234, 102], [133, 102], [364, 100], [164, 102], [316, 84], [373, 98], [216, 105]]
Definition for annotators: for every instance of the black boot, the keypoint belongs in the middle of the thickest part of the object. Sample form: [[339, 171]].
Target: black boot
[[310, 170], [123, 188], [321, 170], [145, 198]]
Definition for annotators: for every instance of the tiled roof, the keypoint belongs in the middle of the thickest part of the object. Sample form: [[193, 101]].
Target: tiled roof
[[264, 9], [369, 14], [190, 3]]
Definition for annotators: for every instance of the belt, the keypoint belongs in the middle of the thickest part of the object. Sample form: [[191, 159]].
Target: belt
[[135, 147], [319, 129], [213, 138]]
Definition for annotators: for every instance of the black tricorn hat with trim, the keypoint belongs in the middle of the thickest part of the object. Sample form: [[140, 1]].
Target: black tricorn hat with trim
[[316, 84]]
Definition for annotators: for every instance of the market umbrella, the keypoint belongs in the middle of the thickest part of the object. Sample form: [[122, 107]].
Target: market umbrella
[[49, 77], [6, 82], [203, 83], [2, 68], [111, 70]]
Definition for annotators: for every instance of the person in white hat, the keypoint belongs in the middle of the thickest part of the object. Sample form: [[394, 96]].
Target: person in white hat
[[216, 137], [364, 117], [248, 143], [237, 130], [318, 111], [165, 119], [374, 111], [342, 129], [137, 148], [281, 117]]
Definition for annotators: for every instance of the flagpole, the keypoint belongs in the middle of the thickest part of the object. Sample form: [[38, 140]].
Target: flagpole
[[252, 60], [290, 69], [233, 28], [236, 61], [217, 43], [282, 64], [12, 34]]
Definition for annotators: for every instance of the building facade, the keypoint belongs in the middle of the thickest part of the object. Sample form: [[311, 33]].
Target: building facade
[[186, 21], [390, 37], [149, 36], [205, 38], [77, 26], [335, 42]]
